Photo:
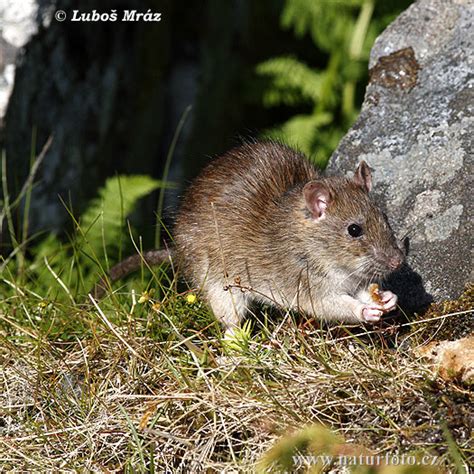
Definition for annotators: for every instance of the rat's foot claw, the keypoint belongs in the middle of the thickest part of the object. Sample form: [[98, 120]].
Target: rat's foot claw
[[371, 314], [389, 301]]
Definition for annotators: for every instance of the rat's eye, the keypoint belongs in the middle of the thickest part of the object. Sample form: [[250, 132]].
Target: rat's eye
[[355, 230]]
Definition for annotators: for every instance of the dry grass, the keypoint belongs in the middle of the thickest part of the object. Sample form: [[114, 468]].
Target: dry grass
[[141, 385], [152, 391]]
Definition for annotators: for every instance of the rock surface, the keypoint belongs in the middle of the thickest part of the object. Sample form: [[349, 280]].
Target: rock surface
[[452, 360], [415, 130]]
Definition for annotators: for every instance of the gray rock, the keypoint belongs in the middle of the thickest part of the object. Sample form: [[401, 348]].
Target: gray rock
[[415, 130]]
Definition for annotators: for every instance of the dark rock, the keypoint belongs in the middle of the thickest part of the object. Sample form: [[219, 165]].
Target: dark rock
[[416, 133]]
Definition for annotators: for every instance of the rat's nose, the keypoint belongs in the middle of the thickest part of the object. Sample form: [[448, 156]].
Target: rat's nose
[[395, 262], [391, 258]]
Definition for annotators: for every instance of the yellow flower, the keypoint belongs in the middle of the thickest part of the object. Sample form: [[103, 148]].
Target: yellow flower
[[191, 298], [156, 306], [146, 295]]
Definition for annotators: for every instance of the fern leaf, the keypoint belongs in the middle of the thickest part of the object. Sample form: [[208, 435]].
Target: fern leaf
[[290, 78], [104, 218], [329, 22], [300, 131]]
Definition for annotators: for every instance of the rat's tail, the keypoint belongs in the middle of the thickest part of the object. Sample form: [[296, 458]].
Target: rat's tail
[[131, 264]]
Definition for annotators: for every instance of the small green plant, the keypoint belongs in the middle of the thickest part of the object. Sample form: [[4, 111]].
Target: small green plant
[[238, 341]]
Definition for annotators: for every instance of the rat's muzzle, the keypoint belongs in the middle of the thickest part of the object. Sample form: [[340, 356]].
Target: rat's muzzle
[[390, 260]]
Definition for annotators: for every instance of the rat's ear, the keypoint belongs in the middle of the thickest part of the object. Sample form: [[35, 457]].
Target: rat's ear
[[363, 176], [318, 198]]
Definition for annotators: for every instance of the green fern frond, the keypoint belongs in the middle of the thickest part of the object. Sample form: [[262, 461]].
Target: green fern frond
[[99, 234], [291, 79], [300, 131], [117, 199], [329, 22]]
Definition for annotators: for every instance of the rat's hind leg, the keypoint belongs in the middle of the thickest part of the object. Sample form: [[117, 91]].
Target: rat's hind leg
[[229, 305]]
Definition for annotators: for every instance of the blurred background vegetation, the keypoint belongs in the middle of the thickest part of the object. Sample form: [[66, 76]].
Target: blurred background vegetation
[[155, 99]]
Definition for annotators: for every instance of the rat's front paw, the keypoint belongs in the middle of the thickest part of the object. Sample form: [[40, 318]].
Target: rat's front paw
[[370, 314], [388, 300]]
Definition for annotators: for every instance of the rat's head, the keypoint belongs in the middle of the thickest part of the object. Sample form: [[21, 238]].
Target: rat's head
[[347, 224]]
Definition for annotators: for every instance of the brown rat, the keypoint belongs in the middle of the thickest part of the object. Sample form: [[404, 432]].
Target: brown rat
[[259, 224]]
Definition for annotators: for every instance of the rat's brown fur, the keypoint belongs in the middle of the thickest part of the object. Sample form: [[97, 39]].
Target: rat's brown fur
[[260, 224], [244, 233]]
